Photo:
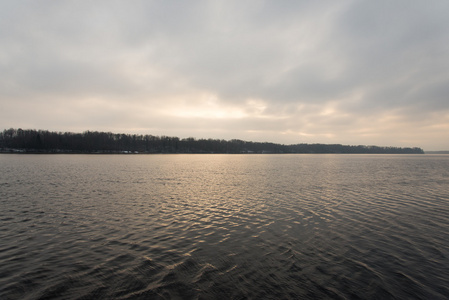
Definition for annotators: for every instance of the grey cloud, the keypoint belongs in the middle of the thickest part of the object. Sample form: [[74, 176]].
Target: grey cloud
[[394, 47], [366, 58]]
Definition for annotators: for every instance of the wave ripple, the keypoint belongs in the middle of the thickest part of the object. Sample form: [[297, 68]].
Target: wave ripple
[[224, 226]]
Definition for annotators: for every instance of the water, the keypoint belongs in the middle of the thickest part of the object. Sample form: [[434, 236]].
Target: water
[[224, 226]]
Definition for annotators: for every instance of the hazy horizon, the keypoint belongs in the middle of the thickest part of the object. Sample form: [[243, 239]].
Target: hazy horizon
[[347, 72]]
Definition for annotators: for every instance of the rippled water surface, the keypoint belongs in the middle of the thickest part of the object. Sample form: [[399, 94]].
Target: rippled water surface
[[224, 226]]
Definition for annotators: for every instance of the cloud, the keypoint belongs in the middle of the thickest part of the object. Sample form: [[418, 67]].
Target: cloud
[[323, 71]]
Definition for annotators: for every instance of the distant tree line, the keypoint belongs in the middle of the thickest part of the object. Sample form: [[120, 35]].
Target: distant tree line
[[43, 141]]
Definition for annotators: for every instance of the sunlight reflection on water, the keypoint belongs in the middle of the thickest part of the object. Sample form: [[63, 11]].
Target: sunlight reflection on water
[[226, 226]]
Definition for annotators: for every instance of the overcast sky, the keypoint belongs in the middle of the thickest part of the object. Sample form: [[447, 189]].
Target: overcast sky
[[348, 72]]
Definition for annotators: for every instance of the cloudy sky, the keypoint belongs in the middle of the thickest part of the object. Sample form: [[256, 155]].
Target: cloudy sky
[[349, 72]]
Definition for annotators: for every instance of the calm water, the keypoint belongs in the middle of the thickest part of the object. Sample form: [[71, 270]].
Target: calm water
[[224, 226]]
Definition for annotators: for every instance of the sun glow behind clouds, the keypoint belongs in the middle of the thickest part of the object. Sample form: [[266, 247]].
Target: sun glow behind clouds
[[205, 106], [209, 106]]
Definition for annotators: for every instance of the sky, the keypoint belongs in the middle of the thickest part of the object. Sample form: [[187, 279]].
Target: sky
[[345, 72]]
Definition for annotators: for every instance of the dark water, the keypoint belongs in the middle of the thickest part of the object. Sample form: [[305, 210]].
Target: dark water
[[224, 226]]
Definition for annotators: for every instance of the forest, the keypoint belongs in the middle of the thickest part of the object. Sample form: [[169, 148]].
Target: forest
[[44, 141]]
